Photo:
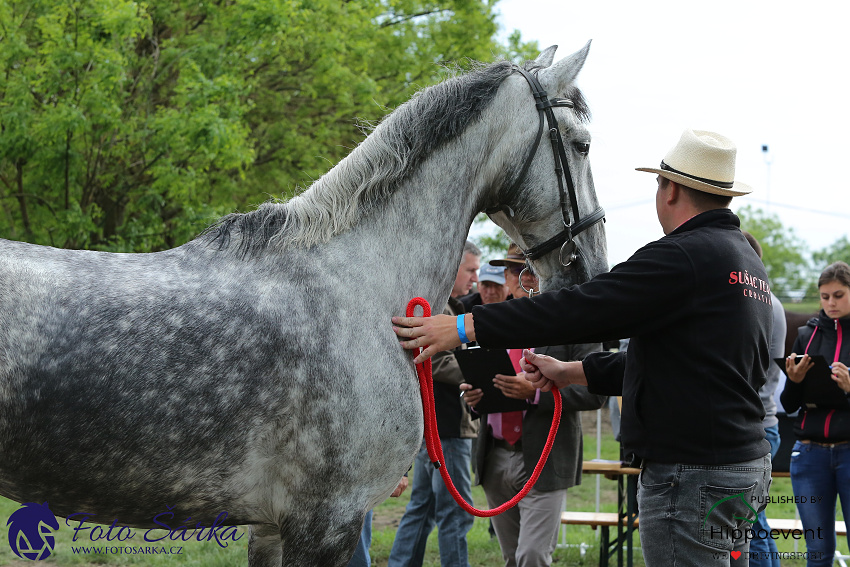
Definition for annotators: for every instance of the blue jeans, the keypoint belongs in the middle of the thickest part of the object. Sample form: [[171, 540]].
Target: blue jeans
[[698, 514], [763, 552], [430, 503], [821, 474], [361, 554]]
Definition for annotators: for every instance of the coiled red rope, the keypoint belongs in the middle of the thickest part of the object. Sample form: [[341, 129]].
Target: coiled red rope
[[432, 436]]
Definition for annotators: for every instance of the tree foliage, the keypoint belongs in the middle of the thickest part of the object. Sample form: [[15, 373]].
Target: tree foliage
[[491, 239], [129, 125], [837, 251], [785, 255]]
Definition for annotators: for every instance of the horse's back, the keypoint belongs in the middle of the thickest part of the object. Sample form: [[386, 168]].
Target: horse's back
[[119, 371]]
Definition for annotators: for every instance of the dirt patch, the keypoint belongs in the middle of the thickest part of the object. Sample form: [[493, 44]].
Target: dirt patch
[[386, 518]]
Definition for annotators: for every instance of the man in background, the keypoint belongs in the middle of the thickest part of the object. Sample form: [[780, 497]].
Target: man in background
[[491, 287], [518, 282]]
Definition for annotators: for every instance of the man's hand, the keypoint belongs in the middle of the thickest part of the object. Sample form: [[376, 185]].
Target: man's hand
[[516, 387], [545, 372], [471, 395], [437, 333], [402, 486]]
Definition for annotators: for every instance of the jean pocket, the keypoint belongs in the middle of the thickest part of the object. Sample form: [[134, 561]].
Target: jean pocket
[[726, 514], [657, 477], [797, 449]]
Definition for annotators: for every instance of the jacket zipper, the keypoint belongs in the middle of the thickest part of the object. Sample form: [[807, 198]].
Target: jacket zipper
[[837, 351], [826, 424]]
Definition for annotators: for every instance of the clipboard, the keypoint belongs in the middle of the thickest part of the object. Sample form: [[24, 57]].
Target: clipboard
[[818, 386], [479, 366]]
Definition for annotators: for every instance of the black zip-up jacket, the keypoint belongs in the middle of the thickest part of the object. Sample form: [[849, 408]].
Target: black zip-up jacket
[[696, 305], [453, 420], [830, 338]]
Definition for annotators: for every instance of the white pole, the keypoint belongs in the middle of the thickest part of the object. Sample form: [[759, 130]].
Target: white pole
[[768, 159], [598, 452]]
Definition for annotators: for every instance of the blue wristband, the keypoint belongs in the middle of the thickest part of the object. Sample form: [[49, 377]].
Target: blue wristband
[[461, 329]]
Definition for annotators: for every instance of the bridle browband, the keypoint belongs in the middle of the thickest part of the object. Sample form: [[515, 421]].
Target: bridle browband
[[564, 239]]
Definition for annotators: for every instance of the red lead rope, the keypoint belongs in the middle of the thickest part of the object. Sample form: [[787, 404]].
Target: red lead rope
[[432, 437]]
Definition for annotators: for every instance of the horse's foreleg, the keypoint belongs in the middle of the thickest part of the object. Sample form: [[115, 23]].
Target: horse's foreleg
[[326, 537], [264, 548]]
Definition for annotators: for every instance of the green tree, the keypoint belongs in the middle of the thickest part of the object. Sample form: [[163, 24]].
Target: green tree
[[129, 126], [837, 251], [491, 239], [783, 252], [108, 133]]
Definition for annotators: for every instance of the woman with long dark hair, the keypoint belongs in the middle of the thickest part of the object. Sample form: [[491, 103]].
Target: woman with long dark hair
[[820, 460]]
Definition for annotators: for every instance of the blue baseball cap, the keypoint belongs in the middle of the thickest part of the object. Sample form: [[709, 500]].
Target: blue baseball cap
[[489, 273]]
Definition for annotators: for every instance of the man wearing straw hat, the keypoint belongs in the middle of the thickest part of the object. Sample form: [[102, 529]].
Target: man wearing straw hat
[[696, 304]]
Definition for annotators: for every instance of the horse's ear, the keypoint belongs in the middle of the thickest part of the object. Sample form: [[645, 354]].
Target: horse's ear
[[546, 56], [557, 77]]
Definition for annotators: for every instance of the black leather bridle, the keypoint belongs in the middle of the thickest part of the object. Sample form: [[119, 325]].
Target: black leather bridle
[[565, 238]]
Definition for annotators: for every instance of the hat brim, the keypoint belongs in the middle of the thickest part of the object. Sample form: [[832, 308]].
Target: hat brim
[[505, 262], [738, 189]]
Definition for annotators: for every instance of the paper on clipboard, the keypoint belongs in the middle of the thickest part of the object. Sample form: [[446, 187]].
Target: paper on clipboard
[[479, 366]]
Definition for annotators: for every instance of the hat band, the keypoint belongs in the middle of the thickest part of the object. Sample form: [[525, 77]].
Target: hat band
[[723, 184]]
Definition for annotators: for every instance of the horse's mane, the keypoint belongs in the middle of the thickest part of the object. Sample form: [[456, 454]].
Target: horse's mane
[[367, 176]]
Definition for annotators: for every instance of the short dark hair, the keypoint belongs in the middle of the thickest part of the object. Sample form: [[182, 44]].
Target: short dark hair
[[835, 272], [706, 201], [753, 242], [700, 199]]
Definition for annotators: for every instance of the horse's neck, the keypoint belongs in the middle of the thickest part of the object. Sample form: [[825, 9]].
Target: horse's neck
[[419, 235]]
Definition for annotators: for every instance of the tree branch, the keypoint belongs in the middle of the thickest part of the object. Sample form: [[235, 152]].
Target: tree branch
[[402, 19]]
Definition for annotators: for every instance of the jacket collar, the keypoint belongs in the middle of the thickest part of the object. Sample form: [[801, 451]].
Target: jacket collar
[[724, 218], [825, 322]]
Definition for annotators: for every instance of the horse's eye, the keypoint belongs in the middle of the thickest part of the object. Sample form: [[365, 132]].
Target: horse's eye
[[582, 147]]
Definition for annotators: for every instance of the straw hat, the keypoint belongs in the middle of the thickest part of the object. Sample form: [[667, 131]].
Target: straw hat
[[514, 257], [704, 161]]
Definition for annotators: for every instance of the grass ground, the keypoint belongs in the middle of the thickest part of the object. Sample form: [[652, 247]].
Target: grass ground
[[802, 307], [483, 551]]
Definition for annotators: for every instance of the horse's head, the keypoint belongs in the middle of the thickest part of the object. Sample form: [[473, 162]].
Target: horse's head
[[554, 217]]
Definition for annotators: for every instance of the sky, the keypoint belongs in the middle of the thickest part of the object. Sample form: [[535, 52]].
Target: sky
[[761, 73]]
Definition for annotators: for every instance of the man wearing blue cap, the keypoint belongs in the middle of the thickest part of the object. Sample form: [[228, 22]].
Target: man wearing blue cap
[[491, 287], [491, 284]]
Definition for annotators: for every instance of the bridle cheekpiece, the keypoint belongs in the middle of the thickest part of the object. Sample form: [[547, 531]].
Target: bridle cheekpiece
[[565, 239]]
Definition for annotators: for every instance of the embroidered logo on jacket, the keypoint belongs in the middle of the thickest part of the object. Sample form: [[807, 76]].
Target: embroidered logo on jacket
[[753, 287]]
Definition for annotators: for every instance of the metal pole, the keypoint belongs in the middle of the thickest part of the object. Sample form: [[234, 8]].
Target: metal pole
[[598, 452], [768, 159]]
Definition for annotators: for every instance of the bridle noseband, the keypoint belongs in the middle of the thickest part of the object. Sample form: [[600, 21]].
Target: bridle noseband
[[565, 238]]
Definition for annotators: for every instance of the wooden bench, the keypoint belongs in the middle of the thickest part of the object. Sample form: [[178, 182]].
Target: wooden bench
[[605, 520], [592, 519]]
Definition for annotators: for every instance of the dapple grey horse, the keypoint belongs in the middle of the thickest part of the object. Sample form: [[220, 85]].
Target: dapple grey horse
[[254, 370]]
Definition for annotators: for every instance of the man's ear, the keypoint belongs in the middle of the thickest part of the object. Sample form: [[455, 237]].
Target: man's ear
[[674, 193]]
